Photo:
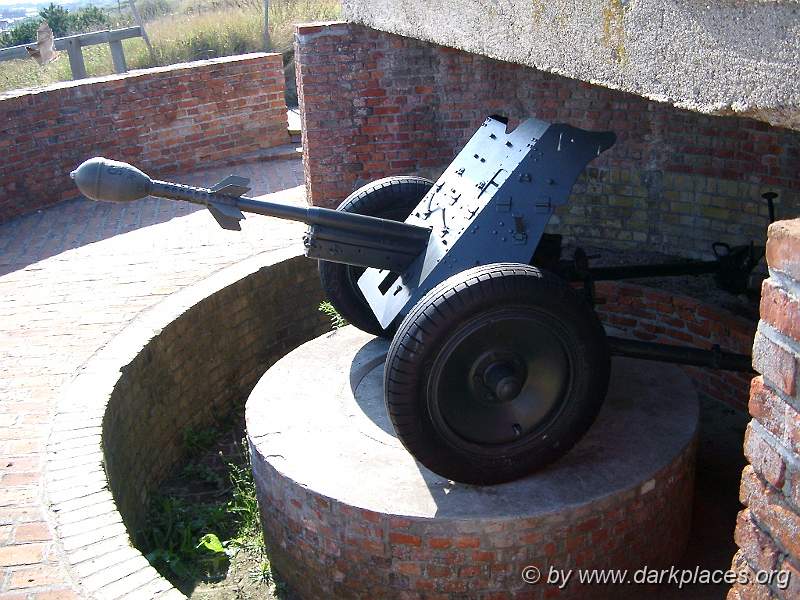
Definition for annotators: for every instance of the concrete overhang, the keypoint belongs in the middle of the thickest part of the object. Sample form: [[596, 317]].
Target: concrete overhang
[[721, 57]]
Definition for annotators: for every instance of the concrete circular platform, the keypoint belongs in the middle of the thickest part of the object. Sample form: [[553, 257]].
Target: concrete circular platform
[[348, 513]]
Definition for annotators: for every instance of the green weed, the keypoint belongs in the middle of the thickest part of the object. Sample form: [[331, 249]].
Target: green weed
[[190, 540], [337, 320], [172, 540], [243, 504], [195, 471], [262, 573], [199, 440]]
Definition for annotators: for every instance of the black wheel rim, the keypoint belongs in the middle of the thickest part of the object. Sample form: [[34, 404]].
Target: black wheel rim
[[499, 380]]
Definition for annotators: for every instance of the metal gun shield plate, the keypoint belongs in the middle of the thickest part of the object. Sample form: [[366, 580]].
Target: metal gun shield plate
[[490, 205]]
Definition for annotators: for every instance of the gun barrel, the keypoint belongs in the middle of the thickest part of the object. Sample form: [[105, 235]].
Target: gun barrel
[[310, 215], [388, 243], [205, 196]]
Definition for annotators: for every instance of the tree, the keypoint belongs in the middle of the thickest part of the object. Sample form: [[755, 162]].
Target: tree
[[22, 33], [87, 19], [59, 19]]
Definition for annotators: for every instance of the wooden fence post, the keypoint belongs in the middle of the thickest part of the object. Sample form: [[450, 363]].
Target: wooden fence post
[[76, 58], [74, 45], [118, 56]]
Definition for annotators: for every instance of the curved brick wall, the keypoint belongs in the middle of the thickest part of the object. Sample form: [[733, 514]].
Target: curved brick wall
[[197, 368], [329, 549], [170, 119], [182, 364], [377, 104], [354, 516], [655, 315]]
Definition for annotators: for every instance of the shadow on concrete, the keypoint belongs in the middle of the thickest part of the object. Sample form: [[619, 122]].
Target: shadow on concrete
[[77, 222], [74, 223]]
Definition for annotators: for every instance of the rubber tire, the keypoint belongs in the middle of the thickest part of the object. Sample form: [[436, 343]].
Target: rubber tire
[[437, 317], [389, 198]]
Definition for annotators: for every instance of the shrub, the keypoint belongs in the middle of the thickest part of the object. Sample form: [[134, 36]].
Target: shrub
[[61, 21], [22, 33], [89, 18]]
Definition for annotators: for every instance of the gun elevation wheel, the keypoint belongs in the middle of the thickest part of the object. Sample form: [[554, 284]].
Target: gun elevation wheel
[[390, 198], [496, 372]]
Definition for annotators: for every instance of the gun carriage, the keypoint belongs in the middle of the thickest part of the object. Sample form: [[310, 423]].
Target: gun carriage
[[498, 363]]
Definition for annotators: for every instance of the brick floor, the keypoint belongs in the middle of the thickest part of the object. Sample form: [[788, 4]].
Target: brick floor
[[71, 277]]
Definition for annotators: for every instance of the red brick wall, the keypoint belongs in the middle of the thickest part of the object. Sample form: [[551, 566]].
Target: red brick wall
[[376, 104], [768, 529], [167, 119], [656, 315], [325, 548]]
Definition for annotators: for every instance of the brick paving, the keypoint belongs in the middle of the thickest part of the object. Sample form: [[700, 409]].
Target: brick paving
[[71, 277]]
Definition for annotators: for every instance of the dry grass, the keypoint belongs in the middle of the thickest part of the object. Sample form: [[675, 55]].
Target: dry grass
[[196, 30]]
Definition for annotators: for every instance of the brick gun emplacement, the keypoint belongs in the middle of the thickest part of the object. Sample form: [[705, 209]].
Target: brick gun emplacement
[[498, 363]]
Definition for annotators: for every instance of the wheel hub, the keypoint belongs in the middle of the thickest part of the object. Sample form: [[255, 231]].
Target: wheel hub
[[499, 376], [498, 380], [503, 381]]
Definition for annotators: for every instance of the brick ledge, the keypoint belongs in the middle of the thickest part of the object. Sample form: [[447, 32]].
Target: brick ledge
[[89, 528]]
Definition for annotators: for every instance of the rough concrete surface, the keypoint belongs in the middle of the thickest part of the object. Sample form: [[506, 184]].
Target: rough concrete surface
[[727, 57], [330, 390]]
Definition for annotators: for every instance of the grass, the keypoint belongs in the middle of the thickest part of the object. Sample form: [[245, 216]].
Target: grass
[[194, 30], [206, 520], [199, 440], [174, 541], [26, 73]]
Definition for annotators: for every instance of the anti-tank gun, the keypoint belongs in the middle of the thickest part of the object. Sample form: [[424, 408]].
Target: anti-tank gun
[[496, 367]]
